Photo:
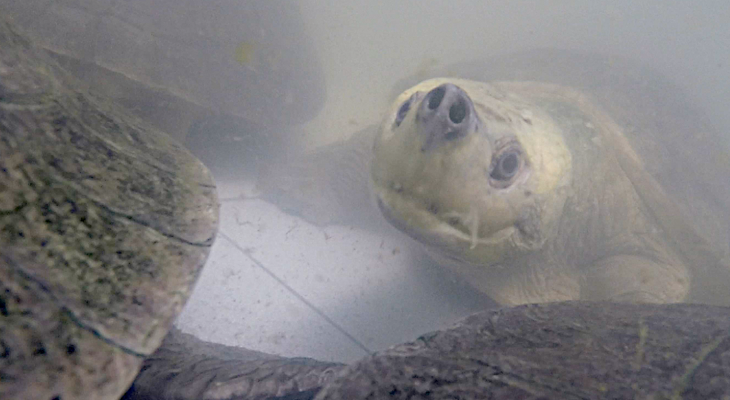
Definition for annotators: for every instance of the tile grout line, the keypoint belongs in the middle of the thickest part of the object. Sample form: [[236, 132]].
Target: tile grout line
[[247, 253]]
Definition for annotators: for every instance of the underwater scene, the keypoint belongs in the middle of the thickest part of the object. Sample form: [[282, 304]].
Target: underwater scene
[[236, 199]]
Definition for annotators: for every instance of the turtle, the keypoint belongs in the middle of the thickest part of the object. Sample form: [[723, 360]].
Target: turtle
[[563, 350], [558, 350], [536, 194], [105, 223], [243, 61], [86, 295], [542, 176]]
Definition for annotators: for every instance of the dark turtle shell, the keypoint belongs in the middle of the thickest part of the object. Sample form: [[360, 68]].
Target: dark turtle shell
[[567, 350], [176, 62], [571, 350]]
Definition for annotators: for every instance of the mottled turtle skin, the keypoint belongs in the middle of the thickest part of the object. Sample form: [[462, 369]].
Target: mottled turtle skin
[[105, 224], [175, 63]]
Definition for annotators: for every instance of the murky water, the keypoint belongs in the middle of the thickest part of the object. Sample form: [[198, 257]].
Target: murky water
[[341, 287], [336, 291]]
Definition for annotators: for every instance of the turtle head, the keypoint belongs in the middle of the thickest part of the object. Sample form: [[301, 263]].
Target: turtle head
[[472, 172]]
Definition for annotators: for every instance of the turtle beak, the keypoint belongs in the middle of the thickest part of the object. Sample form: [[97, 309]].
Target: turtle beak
[[419, 235], [446, 114]]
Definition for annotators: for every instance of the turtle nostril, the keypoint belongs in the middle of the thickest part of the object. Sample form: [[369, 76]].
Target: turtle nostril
[[457, 112], [446, 114], [403, 111], [436, 96]]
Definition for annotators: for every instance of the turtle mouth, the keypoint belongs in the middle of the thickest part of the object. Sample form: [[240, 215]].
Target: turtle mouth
[[443, 232], [402, 225]]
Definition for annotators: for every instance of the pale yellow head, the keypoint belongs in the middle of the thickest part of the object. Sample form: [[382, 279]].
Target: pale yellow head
[[475, 173]]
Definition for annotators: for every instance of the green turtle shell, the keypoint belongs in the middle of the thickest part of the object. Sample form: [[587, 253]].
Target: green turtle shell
[[104, 226]]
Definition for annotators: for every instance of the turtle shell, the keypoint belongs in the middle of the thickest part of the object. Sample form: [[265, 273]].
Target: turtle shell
[[571, 350], [105, 224], [244, 58]]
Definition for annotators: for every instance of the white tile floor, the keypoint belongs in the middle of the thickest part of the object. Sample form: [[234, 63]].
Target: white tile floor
[[278, 284]]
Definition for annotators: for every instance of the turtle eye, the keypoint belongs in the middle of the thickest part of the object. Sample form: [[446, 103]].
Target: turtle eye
[[506, 166], [403, 110]]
